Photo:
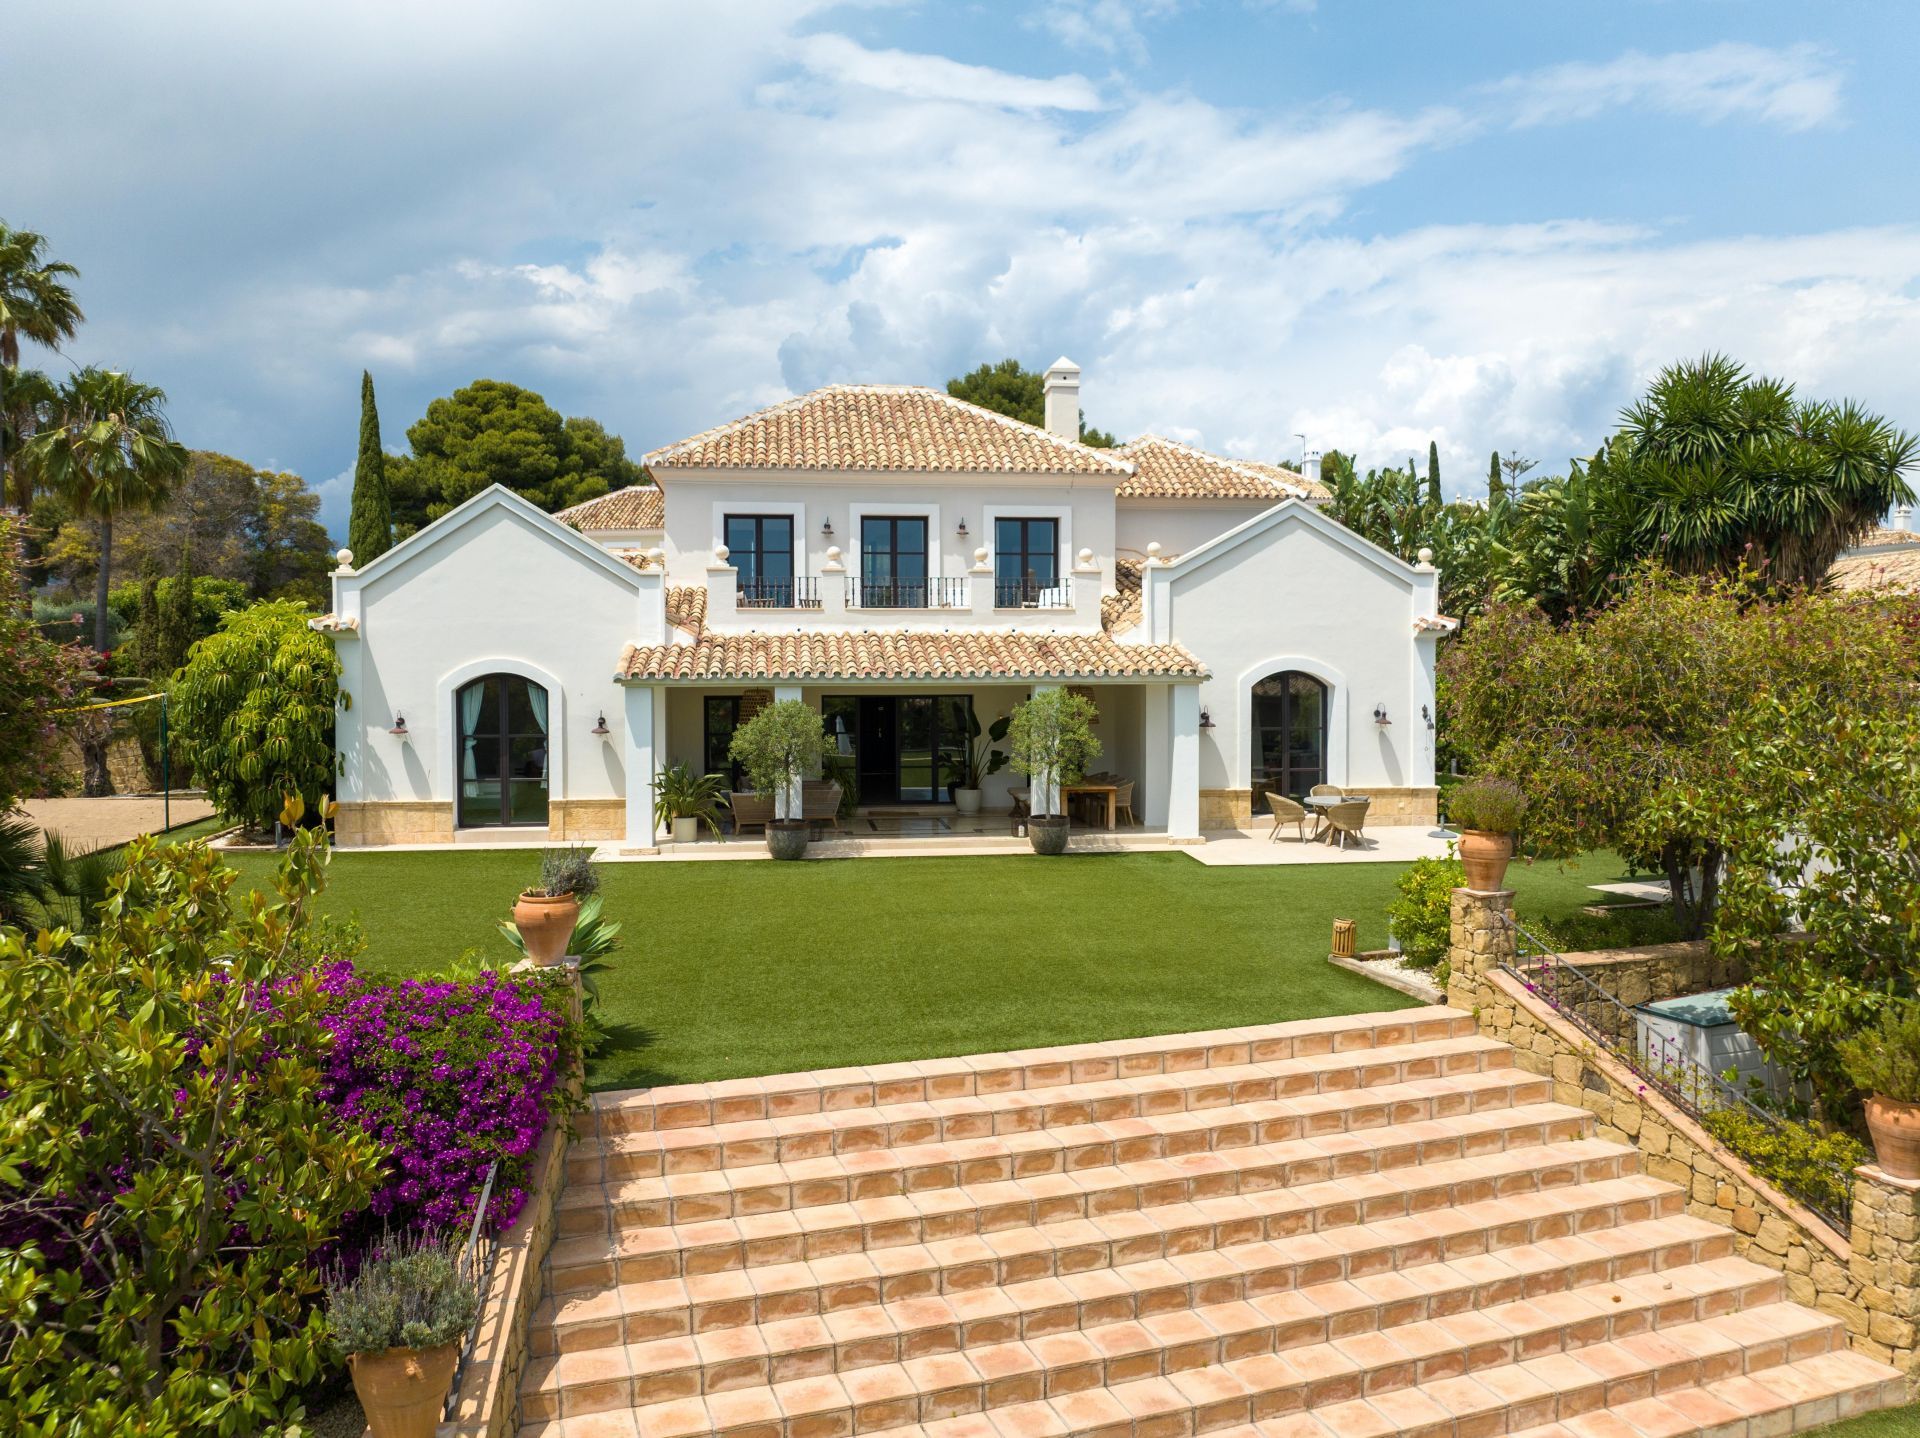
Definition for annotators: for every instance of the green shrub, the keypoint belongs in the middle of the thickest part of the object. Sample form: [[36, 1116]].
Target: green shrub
[[409, 1294], [1422, 913], [1493, 806], [1885, 1060], [169, 1165], [1814, 1166]]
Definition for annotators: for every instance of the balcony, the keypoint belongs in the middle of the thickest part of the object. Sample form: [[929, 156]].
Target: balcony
[[939, 592], [801, 593], [838, 599]]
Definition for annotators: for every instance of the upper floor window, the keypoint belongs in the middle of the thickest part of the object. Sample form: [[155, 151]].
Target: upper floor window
[[1026, 560], [760, 547], [893, 562]]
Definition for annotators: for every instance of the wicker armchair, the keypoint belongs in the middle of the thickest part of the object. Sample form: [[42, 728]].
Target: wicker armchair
[[750, 811], [820, 801], [1348, 820], [1288, 811], [1326, 791]]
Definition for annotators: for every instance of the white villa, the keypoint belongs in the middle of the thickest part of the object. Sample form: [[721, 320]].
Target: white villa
[[894, 557]]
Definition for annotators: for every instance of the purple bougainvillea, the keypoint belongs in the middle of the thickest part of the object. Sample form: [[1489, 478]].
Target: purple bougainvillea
[[449, 1075]]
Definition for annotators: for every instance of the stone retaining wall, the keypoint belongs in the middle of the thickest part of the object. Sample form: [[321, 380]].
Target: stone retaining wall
[[1869, 1278]]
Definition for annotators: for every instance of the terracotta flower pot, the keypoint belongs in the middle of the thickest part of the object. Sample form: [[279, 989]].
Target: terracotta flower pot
[[1895, 1128], [546, 925], [403, 1389], [1047, 833], [1485, 857], [787, 838]]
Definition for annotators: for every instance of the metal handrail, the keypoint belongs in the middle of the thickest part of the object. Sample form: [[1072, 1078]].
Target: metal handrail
[[1695, 1090], [1034, 593], [476, 1262], [802, 592]]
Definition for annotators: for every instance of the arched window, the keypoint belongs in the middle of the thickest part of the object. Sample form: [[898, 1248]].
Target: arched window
[[1289, 734], [503, 755]]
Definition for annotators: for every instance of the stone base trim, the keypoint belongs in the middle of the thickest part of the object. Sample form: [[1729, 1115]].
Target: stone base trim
[[394, 821], [579, 820]]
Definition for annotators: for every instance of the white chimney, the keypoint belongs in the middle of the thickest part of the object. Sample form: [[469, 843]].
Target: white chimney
[[1063, 398], [1310, 467], [1903, 517]]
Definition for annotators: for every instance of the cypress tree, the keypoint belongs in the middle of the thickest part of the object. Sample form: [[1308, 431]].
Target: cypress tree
[[178, 622], [146, 624], [1433, 473], [370, 529], [1496, 490]]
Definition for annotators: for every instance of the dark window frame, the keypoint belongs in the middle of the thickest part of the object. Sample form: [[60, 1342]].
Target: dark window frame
[[1024, 587], [1292, 779], [757, 587], [895, 591]]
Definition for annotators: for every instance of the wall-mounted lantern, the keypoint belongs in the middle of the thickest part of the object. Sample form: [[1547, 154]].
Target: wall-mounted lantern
[[962, 530], [399, 729], [600, 729], [826, 529], [1206, 720], [1427, 715], [1380, 715]]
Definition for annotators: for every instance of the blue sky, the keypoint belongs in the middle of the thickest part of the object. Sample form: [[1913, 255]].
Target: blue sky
[[1378, 224]]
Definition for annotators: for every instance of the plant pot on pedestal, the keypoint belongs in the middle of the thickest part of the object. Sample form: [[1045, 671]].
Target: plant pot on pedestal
[[545, 922], [402, 1390], [1895, 1128], [1485, 857], [787, 838], [1047, 833]]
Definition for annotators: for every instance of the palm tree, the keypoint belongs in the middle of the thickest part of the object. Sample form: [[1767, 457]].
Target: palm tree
[[27, 397], [34, 302], [34, 298], [108, 448]]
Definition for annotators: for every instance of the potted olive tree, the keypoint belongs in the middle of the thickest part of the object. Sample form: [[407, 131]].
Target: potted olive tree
[[779, 748], [1051, 741], [983, 760], [546, 913], [399, 1320], [687, 800], [1884, 1063], [1487, 812]]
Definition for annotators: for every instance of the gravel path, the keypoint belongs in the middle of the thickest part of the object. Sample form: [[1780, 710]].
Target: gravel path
[[89, 823]]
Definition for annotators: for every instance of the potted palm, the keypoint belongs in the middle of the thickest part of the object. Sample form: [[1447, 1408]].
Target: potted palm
[[546, 913], [1884, 1063], [779, 747], [1051, 741], [1487, 812], [983, 760], [399, 1320], [687, 800]]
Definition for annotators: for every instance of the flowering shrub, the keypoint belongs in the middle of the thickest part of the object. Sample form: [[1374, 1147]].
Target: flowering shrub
[[448, 1076], [1422, 909]]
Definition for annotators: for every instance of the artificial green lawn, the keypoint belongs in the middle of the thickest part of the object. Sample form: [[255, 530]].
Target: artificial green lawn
[[750, 968], [1894, 1423]]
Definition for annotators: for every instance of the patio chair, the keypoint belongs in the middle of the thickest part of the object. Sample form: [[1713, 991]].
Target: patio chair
[[1326, 791], [750, 811], [820, 801], [1123, 803], [1289, 811], [1347, 821]]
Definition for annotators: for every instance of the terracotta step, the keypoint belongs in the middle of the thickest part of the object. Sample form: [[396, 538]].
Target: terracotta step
[[1215, 1363], [874, 1226], [1536, 1237], [1059, 1172], [783, 1095], [1291, 1096], [1119, 1311]]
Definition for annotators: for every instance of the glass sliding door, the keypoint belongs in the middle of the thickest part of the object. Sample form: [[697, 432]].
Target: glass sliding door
[[504, 753], [908, 749], [760, 548], [1289, 734], [1026, 561], [893, 563], [720, 718]]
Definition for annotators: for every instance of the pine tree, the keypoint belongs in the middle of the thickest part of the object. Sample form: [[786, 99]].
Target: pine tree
[[1433, 473], [370, 529], [1496, 491]]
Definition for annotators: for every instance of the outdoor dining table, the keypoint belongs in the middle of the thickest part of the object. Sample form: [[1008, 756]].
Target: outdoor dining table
[[1320, 803], [1112, 791]]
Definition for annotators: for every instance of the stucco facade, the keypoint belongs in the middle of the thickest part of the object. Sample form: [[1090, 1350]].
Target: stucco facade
[[508, 666]]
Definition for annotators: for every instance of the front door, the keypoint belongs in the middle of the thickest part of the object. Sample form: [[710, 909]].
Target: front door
[[907, 749], [875, 751], [503, 761]]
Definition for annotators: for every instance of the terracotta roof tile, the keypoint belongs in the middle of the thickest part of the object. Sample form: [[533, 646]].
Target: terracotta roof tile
[[883, 427], [894, 654], [687, 607], [1892, 568], [1123, 608], [638, 506], [1167, 469]]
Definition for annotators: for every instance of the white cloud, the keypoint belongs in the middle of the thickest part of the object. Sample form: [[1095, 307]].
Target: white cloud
[[930, 77], [1795, 88]]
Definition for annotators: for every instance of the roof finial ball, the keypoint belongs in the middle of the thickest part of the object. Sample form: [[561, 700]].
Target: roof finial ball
[[344, 559], [1425, 556], [1153, 552]]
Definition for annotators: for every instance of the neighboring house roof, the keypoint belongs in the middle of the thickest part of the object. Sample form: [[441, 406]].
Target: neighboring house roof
[[1876, 538], [860, 654], [1122, 609], [886, 427], [638, 506], [1166, 469], [1894, 567]]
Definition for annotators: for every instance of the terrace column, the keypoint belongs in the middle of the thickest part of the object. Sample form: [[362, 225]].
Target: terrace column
[[642, 761], [795, 798], [1157, 749], [1183, 786]]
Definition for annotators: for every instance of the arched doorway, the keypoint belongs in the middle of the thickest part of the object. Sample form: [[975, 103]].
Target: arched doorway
[[503, 754], [1290, 711]]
